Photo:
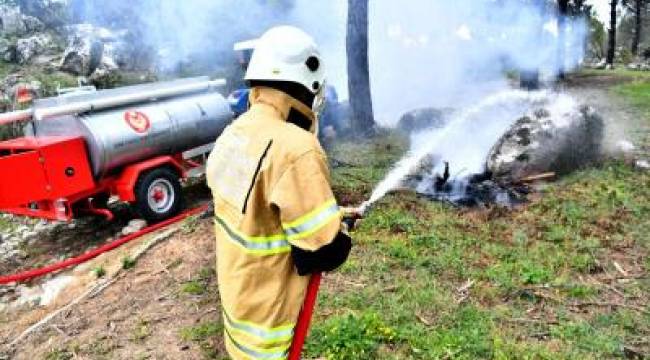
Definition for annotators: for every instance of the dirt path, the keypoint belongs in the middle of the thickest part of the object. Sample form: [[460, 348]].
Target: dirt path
[[152, 311]]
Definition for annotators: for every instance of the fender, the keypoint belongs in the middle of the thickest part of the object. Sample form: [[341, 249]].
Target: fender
[[124, 185]]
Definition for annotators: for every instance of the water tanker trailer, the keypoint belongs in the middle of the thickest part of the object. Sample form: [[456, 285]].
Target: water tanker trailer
[[136, 143]]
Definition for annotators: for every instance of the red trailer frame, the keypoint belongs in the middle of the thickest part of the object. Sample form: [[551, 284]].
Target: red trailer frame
[[50, 178]]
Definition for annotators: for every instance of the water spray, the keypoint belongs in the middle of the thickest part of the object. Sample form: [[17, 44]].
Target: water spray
[[493, 124]]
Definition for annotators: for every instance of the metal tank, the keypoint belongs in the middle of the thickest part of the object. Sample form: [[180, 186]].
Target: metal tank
[[137, 123]]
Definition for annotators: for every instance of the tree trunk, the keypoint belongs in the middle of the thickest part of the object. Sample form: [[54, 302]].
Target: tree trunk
[[637, 26], [563, 7], [611, 48], [363, 121]]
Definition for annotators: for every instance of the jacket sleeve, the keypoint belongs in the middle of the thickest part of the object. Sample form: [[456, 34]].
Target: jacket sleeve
[[308, 211]]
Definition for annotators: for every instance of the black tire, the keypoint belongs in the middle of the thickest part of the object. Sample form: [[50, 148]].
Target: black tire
[[162, 182]]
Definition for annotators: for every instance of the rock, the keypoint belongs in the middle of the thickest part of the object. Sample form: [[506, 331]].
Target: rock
[[424, 118], [642, 164], [28, 235], [33, 25], [138, 224], [95, 49], [82, 56], [601, 65], [548, 140], [133, 227], [29, 47], [127, 230]]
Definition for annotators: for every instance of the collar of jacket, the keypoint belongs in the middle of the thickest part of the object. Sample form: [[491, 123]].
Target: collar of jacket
[[281, 102]]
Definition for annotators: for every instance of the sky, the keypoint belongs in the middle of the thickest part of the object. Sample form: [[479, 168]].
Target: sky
[[602, 9]]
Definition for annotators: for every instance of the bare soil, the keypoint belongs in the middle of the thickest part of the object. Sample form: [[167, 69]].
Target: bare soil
[[142, 315]]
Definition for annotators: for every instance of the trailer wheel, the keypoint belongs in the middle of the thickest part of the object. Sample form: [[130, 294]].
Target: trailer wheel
[[158, 195]]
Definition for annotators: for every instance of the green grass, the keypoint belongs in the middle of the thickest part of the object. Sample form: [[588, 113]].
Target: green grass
[[128, 263], [194, 288], [205, 335], [99, 272], [637, 93], [202, 332], [620, 71], [200, 284], [59, 354], [400, 295]]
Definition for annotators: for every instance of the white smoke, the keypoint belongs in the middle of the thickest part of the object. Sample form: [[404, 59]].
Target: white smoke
[[204, 31], [423, 53], [452, 53]]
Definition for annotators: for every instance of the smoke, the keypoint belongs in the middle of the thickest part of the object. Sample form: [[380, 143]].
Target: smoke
[[201, 33], [453, 53], [446, 54], [423, 53]]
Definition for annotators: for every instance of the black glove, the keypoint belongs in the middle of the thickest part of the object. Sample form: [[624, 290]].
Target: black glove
[[327, 258]]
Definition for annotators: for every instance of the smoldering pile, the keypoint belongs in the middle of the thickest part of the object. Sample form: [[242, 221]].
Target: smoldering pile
[[553, 138]]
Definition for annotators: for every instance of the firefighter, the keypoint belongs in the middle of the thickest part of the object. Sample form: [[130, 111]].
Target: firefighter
[[276, 218]]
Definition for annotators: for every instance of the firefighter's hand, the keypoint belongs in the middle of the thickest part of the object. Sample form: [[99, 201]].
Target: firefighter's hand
[[351, 218], [351, 212]]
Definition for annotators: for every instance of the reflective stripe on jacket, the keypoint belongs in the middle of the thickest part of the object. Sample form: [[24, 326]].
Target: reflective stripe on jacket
[[271, 189]]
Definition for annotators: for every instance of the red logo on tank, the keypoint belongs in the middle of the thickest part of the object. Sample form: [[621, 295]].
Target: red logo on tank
[[138, 121]]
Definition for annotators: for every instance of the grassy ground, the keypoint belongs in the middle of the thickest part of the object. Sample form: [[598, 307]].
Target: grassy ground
[[564, 277]]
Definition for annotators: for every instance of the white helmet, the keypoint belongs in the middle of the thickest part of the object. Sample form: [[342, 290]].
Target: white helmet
[[286, 53]]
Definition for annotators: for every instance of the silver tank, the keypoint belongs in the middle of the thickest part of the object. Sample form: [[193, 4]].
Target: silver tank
[[175, 125]]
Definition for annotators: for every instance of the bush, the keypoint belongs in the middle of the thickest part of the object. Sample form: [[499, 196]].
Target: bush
[[350, 337]]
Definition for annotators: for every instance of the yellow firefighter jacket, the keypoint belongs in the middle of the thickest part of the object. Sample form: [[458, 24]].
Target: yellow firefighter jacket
[[271, 189]]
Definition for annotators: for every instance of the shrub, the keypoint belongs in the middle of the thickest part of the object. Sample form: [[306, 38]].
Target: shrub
[[350, 337]]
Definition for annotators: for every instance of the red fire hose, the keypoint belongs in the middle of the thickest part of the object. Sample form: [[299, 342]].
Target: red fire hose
[[302, 327], [30, 274]]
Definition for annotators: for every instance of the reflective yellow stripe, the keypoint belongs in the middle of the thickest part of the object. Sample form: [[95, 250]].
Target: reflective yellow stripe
[[280, 352], [259, 245], [312, 222], [283, 333], [309, 215]]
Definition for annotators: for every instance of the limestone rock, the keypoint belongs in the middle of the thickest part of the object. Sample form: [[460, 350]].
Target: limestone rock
[[548, 141], [28, 48], [95, 49]]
